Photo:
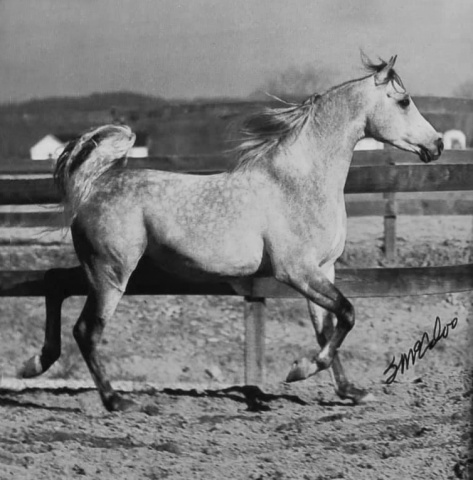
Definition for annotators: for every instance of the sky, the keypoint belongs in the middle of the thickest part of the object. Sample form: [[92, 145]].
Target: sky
[[214, 48]]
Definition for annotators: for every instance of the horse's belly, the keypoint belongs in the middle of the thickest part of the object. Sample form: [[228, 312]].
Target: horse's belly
[[209, 259]]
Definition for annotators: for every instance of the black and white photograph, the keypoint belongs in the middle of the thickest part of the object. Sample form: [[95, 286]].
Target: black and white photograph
[[236, 239]]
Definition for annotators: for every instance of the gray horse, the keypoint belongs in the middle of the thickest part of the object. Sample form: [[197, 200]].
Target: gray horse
[[280, 213]]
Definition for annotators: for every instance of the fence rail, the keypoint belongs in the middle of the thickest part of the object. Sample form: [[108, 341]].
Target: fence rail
[[354, 282]]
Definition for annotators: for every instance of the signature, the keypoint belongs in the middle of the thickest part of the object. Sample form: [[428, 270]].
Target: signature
[[420, 347]]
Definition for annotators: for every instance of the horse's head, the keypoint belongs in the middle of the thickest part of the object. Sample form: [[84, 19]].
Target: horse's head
[[393, 117]]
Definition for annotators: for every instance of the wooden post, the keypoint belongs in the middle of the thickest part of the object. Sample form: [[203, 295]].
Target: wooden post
[[254, 340], [390, 226], [390, 214]]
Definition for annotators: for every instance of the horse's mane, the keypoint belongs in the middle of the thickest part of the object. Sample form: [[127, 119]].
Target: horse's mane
[[263, 132]]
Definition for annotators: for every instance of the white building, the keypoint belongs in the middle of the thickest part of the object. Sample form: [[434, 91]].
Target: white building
[[454, 140], [140, 148], [48, 148]]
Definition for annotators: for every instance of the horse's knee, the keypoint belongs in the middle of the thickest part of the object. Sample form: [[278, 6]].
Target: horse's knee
[[82, 336], [322, 361], [87, 332], [346, 314], [79, 330]]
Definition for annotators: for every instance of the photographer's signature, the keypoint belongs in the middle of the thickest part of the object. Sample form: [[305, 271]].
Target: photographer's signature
[[420, 347]]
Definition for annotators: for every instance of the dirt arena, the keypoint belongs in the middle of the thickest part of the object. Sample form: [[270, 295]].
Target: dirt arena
[[418, 427]]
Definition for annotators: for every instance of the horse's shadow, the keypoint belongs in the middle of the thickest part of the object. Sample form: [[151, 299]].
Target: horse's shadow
[[14, 399], [255, 399]]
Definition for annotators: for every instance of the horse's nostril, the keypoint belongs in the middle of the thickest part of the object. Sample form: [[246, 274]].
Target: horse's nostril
[[440, 145]]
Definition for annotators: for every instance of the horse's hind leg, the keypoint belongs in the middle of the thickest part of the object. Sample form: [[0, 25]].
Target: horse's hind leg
[[98, 309], [323, 322], [55, 295]]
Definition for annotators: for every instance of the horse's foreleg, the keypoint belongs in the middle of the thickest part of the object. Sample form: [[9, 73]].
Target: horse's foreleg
[[323, 322], [317, 288], [51, 351]]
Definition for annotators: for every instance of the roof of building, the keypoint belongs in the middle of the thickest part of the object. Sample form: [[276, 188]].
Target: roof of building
[[65, 137]]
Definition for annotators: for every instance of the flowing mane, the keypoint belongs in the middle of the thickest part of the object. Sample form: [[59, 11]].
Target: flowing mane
[[263, 132]]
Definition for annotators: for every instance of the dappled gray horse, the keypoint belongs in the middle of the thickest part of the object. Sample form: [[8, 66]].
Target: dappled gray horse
[[279, 213]]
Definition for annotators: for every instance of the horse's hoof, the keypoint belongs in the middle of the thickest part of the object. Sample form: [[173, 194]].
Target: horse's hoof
[[31, 368], [301, 369], [151, 409], [357, 395], [120, 404]]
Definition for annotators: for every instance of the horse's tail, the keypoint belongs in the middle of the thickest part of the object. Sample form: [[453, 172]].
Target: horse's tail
[[86, 158]]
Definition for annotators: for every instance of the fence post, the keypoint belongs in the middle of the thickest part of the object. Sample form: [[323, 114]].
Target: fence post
[[390, 214], [255, 308]]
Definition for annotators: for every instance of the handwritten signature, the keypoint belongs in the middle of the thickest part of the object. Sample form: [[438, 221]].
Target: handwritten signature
[[420, 347]]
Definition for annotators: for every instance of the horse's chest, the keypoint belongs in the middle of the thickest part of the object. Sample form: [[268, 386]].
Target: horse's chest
[[339, 236], [328, 232]]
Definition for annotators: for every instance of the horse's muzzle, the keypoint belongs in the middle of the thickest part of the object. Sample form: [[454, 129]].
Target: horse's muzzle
[[428, 155]]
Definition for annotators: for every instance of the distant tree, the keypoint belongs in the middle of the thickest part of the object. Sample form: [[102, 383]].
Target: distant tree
[[294, 82], [464, 90]]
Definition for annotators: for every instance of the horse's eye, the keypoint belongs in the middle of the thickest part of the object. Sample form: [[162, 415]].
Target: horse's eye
[[404, 103]]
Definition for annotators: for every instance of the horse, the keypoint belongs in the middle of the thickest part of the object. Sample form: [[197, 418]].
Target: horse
[[280, 212]]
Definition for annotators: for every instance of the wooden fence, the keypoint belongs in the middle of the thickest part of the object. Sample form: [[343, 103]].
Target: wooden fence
[[454, 174]]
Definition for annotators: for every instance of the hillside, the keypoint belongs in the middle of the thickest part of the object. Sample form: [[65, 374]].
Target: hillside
[[90, 103]]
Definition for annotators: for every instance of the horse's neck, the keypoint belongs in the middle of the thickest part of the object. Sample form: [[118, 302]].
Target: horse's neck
[[322, 154], [340, 119]]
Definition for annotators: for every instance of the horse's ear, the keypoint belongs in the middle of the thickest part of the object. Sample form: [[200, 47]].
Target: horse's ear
[[383, 76]]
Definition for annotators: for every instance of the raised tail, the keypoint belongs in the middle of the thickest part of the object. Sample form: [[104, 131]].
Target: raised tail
[[86, 158]]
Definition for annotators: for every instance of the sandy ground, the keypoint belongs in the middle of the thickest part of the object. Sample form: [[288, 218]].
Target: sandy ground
[[419, 427]]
